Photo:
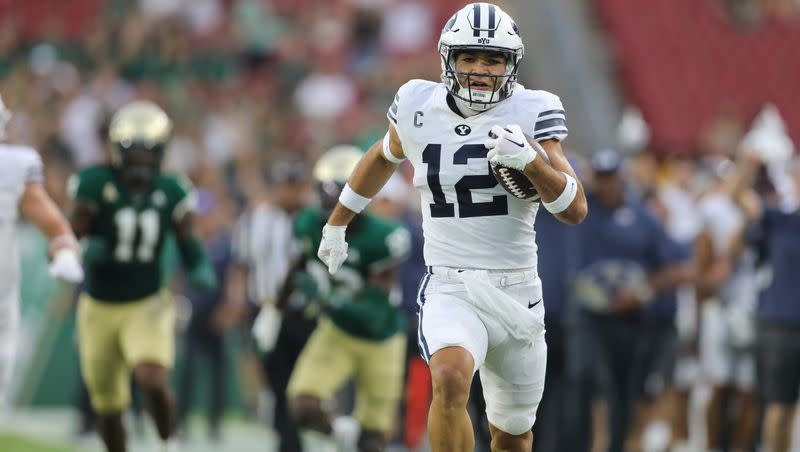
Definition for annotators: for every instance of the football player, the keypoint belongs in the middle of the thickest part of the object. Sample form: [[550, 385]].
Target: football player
[[361, 333], [21, 190], [125, 320], [480, 302]]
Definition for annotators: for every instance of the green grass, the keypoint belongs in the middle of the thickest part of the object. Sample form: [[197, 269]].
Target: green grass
[[10, 442]]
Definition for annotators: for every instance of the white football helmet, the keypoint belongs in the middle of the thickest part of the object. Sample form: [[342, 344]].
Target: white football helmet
[[5, 116], [485, 27]]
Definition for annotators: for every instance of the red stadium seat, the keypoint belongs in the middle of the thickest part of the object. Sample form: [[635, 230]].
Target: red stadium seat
[[680, 60]]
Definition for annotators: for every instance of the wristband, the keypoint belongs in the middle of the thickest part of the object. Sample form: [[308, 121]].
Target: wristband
[[387, 150], [565, 198], [353, 200], [63, 241]]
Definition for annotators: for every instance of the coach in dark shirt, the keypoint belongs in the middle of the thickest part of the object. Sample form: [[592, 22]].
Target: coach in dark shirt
[[624, 259], [778, 314], [556, 242]]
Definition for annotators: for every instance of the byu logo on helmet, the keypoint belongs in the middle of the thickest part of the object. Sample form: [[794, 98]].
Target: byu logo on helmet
[[463, 130], [487, 28]]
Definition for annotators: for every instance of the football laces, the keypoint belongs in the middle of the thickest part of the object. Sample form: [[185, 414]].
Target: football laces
[[511, 183]]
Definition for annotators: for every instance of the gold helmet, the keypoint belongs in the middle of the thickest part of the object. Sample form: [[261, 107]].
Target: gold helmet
[[333, 170], [139, 133]]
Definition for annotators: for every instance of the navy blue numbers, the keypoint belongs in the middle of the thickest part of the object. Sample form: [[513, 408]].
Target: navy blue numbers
[[440, 208]]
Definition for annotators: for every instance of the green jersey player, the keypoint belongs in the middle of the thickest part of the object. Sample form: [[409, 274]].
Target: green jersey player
[[361, 333], [123, 212]]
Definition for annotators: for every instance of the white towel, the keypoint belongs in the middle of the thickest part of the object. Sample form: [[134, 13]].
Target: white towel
[[522, 323]]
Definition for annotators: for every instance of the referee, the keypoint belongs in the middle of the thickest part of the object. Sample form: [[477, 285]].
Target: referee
[[263, 251]]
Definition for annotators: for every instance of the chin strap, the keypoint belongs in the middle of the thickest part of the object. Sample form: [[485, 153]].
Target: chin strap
[[477, 105]]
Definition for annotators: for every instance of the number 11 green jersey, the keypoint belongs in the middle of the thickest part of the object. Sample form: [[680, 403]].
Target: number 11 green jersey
[[133, 229]]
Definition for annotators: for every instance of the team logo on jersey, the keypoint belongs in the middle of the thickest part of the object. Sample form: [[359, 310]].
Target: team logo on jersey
[[463, 130], [110, 193]]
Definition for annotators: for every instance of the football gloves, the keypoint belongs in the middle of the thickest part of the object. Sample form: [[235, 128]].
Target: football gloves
[[333, 248], [509, 147], [66, 266], [266, 327]]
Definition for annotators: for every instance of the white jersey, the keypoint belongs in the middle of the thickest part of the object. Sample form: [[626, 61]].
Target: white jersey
[[469, 220], [19, 166], [723, 219]]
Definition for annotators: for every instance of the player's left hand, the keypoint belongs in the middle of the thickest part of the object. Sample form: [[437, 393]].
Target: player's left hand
[[66, 266], [509, 147], [266, 327]]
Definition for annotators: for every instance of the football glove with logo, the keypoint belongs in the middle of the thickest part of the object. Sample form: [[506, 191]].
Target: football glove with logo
[[510, 148]]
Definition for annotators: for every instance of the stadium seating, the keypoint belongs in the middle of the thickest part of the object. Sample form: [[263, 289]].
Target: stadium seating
[[680, 61], [45, 18]]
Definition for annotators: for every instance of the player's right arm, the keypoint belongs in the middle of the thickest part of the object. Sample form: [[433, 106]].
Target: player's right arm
[[369, 176], [83, 191]]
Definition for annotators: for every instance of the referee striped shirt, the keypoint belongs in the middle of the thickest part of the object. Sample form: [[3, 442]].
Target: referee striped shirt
[[263, 242]]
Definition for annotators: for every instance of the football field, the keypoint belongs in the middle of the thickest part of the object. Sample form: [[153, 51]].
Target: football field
[[53, 430]]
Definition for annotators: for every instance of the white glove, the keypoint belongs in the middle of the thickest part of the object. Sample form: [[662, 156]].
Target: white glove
[[266, 327], [66, 266], [510, 147], [333, 248]]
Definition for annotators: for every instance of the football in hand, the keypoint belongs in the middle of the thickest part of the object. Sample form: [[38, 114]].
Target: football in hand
[[516, 182]]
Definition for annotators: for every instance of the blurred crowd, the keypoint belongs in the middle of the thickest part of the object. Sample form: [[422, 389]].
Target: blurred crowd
[[247, 82], [666, 305], [254, 84]]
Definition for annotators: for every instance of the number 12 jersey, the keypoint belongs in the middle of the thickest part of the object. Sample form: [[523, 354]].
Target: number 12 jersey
[[469, 221]]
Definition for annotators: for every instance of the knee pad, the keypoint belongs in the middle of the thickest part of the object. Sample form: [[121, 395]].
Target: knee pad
[[513, 412], [371, 441], [511, 423]]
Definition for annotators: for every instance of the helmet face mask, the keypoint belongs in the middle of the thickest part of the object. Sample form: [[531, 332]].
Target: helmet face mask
[[141, 164], [331, 173], [139, 133], [496, 84], [480, 27]]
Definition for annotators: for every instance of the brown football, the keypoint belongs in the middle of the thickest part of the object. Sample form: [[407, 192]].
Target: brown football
[[516, 182]]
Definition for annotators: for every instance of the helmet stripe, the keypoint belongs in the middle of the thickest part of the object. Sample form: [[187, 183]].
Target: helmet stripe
[[476, 14], [491, 20]]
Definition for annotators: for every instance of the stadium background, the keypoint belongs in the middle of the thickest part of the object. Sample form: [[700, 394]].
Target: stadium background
[[252, 82]]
